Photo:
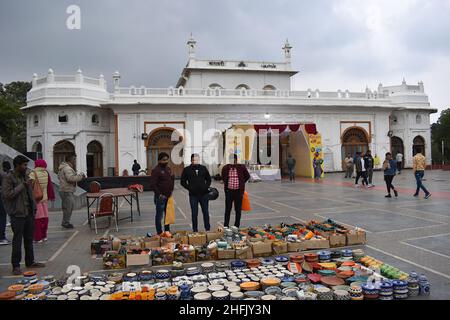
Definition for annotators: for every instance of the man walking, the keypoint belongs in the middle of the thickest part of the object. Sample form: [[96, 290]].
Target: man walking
[[419, 165], [68, 179], [349, 166], [360, 170], [20, 205], [369, 164], [399, 158], [234, 178], [162, 184], [6, 168], [290, 161], [196, 179], [136, 168]]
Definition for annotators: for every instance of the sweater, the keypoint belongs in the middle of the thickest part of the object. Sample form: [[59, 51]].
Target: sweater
[[196, 179], [162, 181], [242, 172]]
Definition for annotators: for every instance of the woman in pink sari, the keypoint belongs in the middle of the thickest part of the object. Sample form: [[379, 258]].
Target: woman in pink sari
[[41, 220]]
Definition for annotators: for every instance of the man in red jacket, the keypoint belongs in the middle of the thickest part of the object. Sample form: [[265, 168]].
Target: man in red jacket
[[162, 184], [234, 178]]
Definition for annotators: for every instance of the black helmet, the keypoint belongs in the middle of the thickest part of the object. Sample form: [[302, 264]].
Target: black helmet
[[213, 193]]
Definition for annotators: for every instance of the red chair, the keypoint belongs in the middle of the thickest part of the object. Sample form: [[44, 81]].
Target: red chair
[[94, 187], [106, 207]]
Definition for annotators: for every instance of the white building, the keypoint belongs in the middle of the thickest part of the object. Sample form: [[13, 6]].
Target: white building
[[109, 130]]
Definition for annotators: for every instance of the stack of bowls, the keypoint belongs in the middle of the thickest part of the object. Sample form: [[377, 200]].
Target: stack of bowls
[[425, 287], [222, 266], [129, 277], [146, 276], [356, 293], [358, 254], [192, 271], [324, 256], [282, 260], [207, 267], [253, 263], [386, 291], [160, 275], [311, 257], [324, 293], [413, 285], [336, 255], [172, 293], [221, 295], [341, 295], [370, 292], [297, 257], [237, 265], [346, 253], [400, 289], [267, 262]]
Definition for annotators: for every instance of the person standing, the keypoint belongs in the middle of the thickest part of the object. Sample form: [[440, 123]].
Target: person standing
[[6, 169], [419, 165], [399, 158], [291, 162], [360, 170], [317, 165], [41, 175], [196, 179], [162, 184], [390, 169], [20, 205], [68, 179], [234, 178], [369, 164], [136, 168], [349, 166]]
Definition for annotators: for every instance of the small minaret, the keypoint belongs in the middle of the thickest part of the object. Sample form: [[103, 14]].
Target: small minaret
[[116, 79], [287, 52], [191, 47]]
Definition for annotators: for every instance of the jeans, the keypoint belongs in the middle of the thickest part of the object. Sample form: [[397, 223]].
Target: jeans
[[370, 175], [230, 197], [23, 228], [362, 174], [160, 214], [419, 176], [67, 204], [2, 220], [291, 174], [204, 203], [389, 185]]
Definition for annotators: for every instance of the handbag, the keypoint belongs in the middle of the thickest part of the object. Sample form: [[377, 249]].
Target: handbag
[[37, 190]]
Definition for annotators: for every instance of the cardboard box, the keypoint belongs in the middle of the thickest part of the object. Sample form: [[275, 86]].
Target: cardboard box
[[161, 257], [226, 254], [153, 242], [317, 244], [142, 259], [297, 246], [112, 260], [205, 254], [185, 256], [165, 241], [337, 240], [214, 235], [197, 239], [356, 238], [243, 253], [279, 247], [101, 245], [262, 248], [181, 237]]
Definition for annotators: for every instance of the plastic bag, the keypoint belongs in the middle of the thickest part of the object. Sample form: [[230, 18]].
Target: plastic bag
[[246, 202], [170, 212]]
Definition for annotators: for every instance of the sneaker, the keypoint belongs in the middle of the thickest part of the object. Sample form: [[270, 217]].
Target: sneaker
[[45, 240], [428, 196], [36, 265], [396, 193], [416, 195], [4, 242], [388, 196], [67, 226], [16, 271]]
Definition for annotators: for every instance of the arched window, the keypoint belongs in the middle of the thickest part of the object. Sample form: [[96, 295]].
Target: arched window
[[63, 118], [269, 87], [215, 86], [242, 86], [418, 145], [36, 120], [95, 119]]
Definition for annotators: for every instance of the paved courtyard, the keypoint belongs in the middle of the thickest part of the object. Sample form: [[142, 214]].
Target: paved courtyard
[[412, 234]]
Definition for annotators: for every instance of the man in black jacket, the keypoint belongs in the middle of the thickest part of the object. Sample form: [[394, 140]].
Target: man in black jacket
[[196, 179], [369, 164], [19, 204]]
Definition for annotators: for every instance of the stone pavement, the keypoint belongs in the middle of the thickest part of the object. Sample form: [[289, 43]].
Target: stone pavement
[[410, 233]]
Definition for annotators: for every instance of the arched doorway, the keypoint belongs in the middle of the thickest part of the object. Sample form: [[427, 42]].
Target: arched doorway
[[160, 140], [94, 159], [354, 140], [418, 145], [37, 149], [397, 146], [61, 150]]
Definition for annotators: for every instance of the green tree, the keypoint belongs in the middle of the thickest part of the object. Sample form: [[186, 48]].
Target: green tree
[[13, 96], [440, 131]]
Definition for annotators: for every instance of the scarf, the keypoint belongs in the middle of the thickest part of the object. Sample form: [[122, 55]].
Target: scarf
[[40, 163]]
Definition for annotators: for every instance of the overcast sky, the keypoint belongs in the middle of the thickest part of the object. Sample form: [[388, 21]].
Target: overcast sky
[[341, 44]]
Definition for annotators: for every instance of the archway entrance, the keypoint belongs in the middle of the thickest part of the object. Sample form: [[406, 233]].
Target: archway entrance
[[354, 140], [397, 146], [94, 159], [160, 140], [418, 145], [61, 150], [37, 150]]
